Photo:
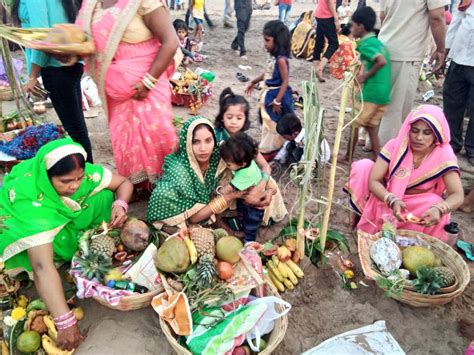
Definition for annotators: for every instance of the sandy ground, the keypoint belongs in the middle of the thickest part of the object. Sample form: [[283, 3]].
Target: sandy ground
[[321, 308]]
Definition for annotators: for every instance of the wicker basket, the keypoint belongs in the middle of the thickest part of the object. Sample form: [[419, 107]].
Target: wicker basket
[[132, 303], [447, 255], [275, 337], [186, 99]]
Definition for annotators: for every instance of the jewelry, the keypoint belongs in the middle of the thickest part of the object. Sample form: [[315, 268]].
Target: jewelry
[[151, 78], [65, 321], [275, 102], [121, 203], [148, 83], [63, 317], [218, 204]]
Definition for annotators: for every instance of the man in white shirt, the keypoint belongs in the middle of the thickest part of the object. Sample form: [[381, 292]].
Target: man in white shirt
[[405, 30], [458, 90]]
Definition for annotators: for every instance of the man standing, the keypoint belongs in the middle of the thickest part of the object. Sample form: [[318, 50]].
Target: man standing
[[243, 13], [405, 31], [458, 90]]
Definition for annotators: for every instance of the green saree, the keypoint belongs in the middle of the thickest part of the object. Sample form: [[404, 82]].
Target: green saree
[[182, 190], [34, 214]]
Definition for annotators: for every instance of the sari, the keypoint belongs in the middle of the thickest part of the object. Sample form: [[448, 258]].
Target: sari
[[142, 132], [183, 190], [402, 177], [34, 214]]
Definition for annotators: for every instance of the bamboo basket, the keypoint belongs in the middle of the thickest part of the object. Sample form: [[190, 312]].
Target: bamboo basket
[[275, 337], [447, 255], [132, 303]]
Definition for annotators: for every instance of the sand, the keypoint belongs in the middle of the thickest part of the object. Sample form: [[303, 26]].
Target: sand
[[321, 308]]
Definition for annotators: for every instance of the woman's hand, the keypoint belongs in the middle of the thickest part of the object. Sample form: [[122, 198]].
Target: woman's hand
[[118, 217], [431, 217], [397, 208], [276, 108], [249, 88], [70, 338], [30, 86], [141, 91]]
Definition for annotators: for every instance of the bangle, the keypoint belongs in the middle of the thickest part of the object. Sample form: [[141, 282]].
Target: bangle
[[148, 83], [218, 204], [151, 78], [66, 324], [121, 203], [276, 102], [63, 317], [387, 196]]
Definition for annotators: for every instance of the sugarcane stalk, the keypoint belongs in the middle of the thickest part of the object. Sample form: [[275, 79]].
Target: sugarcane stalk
[[332, 173]]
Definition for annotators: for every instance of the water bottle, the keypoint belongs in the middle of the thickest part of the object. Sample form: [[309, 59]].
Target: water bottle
[[127, 285], [452, 233]]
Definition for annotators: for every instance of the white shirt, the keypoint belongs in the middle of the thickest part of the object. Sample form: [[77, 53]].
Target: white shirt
[[460, 37]]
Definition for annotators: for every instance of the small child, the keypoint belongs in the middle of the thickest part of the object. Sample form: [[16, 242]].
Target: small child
[[187, 46], [196, 8], [344, 12], [276, 98], [376, 78], [239, 153]]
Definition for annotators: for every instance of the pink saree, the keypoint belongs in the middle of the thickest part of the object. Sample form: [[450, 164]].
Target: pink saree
[[142, 132], [402, 177]]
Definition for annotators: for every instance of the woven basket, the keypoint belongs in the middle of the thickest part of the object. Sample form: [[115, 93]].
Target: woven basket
[[186, 99], [275, 337], [134, 302], [447, 255]]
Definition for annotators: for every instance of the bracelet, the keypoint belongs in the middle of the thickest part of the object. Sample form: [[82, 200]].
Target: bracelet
[[218, 204], [66, 324], [63, 317], [148, 83], [121, 203], [275, 102], [443, 207], [151, 78], [392, 201], [387, 196]]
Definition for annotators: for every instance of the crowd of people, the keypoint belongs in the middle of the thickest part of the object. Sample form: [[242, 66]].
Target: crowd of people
[[214, 172]]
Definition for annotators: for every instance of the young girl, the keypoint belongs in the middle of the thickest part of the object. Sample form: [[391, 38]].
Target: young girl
[[233, 117], [187, 46], [276, 97], [239, 153]]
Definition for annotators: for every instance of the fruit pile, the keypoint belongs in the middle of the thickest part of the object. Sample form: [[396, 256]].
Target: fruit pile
[[414, 267], [103, 251], [13, 121], [189, 89], [281, 269], [29, 328]]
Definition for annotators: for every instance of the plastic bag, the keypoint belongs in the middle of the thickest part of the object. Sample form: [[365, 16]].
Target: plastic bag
[[266, 323]]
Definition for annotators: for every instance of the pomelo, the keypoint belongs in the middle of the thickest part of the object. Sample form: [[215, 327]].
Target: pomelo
[[417, 256], [228, 248], [28, 342]]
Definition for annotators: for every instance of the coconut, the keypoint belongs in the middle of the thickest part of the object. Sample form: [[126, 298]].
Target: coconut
[[135, 235], [172, 256], [228, 248]]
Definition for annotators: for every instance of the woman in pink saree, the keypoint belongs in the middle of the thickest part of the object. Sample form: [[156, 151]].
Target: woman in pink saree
[[416, 173], [135, 45]]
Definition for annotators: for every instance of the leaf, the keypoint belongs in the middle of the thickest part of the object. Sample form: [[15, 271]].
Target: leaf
[[15, 332]]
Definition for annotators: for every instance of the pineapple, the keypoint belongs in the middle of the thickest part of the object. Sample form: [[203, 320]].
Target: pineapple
[[203, 239], [102, 244], [94, 266], [206, 272], [219, 233], [446, 275], [427, 281]]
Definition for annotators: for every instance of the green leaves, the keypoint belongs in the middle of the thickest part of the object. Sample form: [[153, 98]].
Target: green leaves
[[427, 281]]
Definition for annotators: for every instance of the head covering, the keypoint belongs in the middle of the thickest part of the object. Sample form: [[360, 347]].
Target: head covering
[[33, 211], [183, 190], [398, 154]]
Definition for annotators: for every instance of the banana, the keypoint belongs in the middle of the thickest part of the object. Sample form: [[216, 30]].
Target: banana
[[51, 348], [280, 287], [271, 266], [52, 331], [5, 350], [267, 278], [295, 268], [291, 276], [281, 268], [288, 284], [193, 255]]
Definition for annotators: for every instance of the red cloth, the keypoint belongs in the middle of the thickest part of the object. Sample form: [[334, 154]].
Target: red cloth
[[285, 2], [322, 10]]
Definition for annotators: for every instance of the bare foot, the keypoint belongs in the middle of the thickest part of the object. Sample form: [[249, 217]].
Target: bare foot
[[466, 328], [320, 76]]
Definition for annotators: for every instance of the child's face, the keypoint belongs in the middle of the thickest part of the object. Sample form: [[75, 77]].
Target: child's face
[[234, 119], [345, 2], [268, 43], [290, 137], [233, 166], [182, 34], [358, 30]]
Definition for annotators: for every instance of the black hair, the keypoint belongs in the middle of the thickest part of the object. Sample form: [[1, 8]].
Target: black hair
[[366, 17], [179, 24], [227, 99], [288, 124], [209, 128], [66, 165], [240, 149], [281, 37], [71, 8]]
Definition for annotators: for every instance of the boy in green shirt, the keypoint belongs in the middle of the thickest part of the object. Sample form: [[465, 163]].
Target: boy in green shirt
[[375, 79]]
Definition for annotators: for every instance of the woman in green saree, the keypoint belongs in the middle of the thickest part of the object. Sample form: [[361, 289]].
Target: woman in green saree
[[45, 202], [184, 194]]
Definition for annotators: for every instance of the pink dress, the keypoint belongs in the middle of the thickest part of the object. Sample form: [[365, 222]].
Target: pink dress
[[142, 132], [402, 177]]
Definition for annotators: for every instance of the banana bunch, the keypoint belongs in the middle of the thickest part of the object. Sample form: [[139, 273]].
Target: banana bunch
[[52, 331], [50, 347], [193, 254], [283, 275], [189, 75]]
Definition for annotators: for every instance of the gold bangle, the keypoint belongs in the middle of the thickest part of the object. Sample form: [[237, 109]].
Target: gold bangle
[[218, 204]]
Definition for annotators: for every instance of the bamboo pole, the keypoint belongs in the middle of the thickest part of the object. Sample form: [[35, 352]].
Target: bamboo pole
[[332, 173]]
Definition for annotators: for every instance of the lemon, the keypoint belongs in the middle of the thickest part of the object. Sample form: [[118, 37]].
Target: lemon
[[113, 275], [78, 313], [28, 342]]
